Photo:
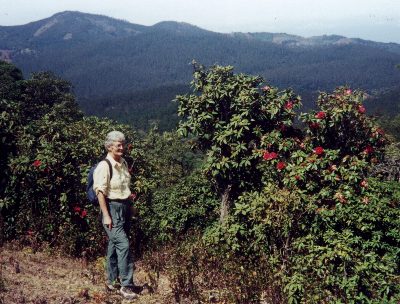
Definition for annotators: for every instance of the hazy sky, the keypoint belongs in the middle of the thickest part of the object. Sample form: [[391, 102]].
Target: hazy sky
[[377, 20]]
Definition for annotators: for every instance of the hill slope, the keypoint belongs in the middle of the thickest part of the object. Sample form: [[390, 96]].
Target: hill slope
[[105, 58]]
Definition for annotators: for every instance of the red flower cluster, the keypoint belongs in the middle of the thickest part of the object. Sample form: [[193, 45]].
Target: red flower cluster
[[269, 155], [319, 150], [289, 105], [82, 212], [364, 184], [320, 115], [314, 125], [361, 109], [37, 163], [380, 131], [280, 165], [368, 149]]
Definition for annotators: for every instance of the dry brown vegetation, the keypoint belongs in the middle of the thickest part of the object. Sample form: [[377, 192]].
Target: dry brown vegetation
[[47, 277]]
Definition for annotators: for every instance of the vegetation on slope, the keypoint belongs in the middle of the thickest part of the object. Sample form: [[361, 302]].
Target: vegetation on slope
[[304, 221]]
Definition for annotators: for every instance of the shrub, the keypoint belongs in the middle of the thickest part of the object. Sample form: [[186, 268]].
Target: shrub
[[228, 114], [50, 148]]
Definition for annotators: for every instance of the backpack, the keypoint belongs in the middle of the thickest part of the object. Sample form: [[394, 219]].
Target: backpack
[[91, 194]]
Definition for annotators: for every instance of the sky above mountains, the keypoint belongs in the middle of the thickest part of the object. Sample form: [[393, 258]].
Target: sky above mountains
[[366, 19]]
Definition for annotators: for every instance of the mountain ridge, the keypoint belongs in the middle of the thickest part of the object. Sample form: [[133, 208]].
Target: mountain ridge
[[109, 25]]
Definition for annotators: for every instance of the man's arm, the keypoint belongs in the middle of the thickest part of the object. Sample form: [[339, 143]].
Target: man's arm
[[103, 206]]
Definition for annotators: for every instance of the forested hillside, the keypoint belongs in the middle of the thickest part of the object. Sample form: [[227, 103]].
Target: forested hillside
[[117, 63]]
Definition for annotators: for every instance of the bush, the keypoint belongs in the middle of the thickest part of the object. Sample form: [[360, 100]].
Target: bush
[[180, 198], [56, 158], [50, 148], [326, 231]]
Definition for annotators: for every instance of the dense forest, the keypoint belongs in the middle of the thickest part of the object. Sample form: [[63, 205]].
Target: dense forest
[[240, 204], [116, 63]]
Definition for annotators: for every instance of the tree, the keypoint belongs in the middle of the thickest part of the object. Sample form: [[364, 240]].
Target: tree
[[9, 75], [229, 114]]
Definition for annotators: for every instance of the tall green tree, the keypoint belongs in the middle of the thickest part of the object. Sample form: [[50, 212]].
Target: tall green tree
[[228, 114]]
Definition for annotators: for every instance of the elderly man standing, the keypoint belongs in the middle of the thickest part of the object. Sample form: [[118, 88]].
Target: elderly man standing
[[115, 198]]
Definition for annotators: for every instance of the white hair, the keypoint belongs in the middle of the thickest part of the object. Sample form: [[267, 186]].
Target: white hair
[[112, 137]]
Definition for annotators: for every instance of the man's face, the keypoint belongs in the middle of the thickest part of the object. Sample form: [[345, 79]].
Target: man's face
[[117, 149]]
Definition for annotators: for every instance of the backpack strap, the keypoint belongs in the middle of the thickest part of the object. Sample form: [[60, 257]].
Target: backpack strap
[[110, 166]]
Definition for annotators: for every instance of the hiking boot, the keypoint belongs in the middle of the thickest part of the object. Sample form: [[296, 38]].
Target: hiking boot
[[128, 292], [113, 286]]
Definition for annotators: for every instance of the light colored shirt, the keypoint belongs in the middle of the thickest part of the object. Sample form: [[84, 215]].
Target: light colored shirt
[[119, 186]]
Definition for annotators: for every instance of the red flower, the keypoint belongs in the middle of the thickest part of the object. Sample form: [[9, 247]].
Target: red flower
[[348, 92], [83, 213], [368, 149], [364, 184], [297, 177], [361, 109], [133, 197], [77, 209], [269, 155], [380, 131], [281, 165], [289, 105], [320, 115], [37, 163], [319, 150], [314, 125]]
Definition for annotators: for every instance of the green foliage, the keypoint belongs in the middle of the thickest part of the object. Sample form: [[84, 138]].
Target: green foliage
[[228, 114], [326, 232], [9, 75], [179, 196], [307, 223], [51, 148], [392, 126], [351, 252], [187, 205]]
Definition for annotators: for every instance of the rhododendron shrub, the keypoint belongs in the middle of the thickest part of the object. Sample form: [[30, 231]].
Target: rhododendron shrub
[[329, 232], [228, 114], [51, 149], [47, 191], [339, 153]]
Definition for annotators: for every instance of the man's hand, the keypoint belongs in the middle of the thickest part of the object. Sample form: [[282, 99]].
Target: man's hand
[[103, 206], [107, 221]]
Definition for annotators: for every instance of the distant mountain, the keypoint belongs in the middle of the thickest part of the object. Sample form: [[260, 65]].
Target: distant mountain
[[129, 65], [317, 41]]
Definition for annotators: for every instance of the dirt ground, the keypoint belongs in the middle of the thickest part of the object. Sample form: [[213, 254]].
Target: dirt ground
[[47, 278]]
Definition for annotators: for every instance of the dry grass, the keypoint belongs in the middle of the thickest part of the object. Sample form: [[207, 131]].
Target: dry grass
[[46, 278]]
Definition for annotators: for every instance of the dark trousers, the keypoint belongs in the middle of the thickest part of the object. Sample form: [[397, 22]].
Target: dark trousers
[[119, 262]]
